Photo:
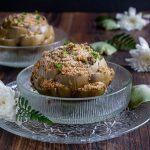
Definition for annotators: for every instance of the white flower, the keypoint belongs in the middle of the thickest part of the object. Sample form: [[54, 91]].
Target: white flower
[[130, 20], [7, 103], [140, 60]]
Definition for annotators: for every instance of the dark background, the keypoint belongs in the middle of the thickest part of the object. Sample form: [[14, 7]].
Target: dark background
[[73, 5]]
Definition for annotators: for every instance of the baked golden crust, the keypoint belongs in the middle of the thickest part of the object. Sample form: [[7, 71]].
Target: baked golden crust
[[72, 70], [26, 29]]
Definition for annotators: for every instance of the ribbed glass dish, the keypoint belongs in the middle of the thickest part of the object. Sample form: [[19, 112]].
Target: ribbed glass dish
[[23, 56], [80, 110], [124, 122]]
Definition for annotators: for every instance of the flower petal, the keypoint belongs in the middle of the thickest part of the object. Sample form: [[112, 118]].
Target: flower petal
[[140, 60], [144, 43], [134, 53], [7, 103], [132, 11], [119, 15]]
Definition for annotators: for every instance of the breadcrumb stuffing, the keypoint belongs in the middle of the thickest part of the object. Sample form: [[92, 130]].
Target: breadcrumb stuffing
[[76, 68], [93, 86]]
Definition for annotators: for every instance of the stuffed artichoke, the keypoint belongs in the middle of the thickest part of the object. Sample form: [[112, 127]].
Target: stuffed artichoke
[[72, 70], [25, 29]]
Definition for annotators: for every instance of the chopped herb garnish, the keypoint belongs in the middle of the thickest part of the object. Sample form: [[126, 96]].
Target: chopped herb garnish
[[95, 55], [65, 52], [66, 42], [19, 21], [37, 17], [36, 12], [58, 66]]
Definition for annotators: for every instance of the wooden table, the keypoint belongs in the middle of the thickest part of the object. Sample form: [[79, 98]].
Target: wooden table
[[81, 28]]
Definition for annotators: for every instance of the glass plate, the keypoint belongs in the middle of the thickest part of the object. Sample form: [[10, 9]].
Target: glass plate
[[23, 56], [122, 123]]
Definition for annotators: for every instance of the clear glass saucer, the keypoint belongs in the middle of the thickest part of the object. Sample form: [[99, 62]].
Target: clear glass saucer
[[122, 123], [23, 56]]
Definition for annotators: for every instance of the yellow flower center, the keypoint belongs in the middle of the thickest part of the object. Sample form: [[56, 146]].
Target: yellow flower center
[[2, 103], [132, 20], [146, 58]]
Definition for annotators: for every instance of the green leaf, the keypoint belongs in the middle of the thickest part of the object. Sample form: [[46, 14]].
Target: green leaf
[[58, 66], [26, 104], [102, 18], [66, 42], [25, 112], [139, 94], [36, 12], [109, 24], [22, 101], [65, 52], [123, 41], [37, 17], [103, 48], [29, 108], [95, 54]]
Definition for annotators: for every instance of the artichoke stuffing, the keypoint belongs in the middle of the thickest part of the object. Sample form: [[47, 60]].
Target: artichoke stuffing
[[72, 70], [25, 29]]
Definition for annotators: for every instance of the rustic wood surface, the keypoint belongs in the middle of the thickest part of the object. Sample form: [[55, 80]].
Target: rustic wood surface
[[81, 28]]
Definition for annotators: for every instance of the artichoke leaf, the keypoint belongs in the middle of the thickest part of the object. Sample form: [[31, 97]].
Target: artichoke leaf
[[64, 91], [73, 81], [51, 74], [49, 35], [8, 42], [49, 32], [89, 93], [48, 74], [97, 65], [110, 24], [103, 63], [105, 76], [3, 32], [49, 40], [139, 94], [16, 32], [32, 40], [103, 48], [86, 92], [48, 92]]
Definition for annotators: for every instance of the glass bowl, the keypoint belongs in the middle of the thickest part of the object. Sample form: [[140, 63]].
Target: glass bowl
[[23, 56], [80, 110]]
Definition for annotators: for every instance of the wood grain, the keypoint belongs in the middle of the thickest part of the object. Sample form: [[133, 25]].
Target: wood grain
[[81, 28]]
